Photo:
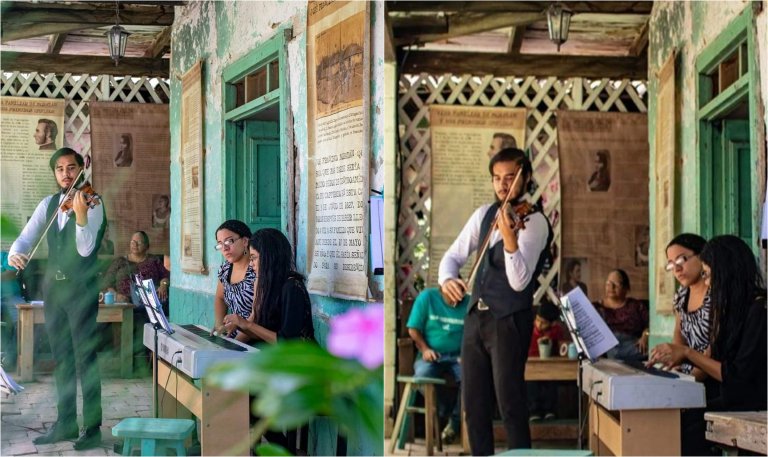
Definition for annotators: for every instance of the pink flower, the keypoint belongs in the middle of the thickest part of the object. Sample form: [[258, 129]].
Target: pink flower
[[359, 334]]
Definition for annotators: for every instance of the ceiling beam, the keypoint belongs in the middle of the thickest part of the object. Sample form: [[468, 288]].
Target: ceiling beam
[[460, 25], [91, 14], [640, 43], [160, 44], [436, 62], [12, 32], [92, 65], [636, 7], [55, 42], [516, 35]]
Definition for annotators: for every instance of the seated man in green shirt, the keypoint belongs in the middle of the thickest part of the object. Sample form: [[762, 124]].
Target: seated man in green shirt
[[436, 326]]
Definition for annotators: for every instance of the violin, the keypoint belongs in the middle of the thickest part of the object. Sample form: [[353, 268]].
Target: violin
[[519, 212], [91, 198]]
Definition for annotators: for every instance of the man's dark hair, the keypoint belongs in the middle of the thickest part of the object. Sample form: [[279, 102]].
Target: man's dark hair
[[236, 226], [512, 155], [52, 128], [65, 152]]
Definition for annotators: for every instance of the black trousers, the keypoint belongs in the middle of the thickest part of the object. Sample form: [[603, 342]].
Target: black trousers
[[493, 356], [70, 320]]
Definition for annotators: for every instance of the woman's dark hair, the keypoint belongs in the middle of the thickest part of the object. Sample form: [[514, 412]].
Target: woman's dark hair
[[735, 282], [603, 157], [624, 277], [235, 226], [65, 152], [144, 237], [127, 139], [275, 267], [689, 241]]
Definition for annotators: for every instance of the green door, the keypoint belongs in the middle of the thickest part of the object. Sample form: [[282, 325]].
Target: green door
[[731, 178], [257, 172]]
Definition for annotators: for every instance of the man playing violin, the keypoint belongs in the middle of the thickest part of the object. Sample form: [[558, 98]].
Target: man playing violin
[[499, 323], [70, 291]]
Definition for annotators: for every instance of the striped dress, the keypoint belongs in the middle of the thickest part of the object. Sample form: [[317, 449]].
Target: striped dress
[[694, 326], [237, 296]]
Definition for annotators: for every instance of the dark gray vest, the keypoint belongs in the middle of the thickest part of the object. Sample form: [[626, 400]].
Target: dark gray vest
[[491, 284], [63, 257]]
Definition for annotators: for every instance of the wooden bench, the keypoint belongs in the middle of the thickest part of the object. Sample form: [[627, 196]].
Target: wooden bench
[[738, 430]]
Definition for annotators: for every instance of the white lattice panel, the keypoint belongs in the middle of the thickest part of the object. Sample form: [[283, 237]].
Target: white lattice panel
[[542, 96], [78, 90]]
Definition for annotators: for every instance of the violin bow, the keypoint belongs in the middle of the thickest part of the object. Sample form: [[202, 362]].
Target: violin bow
[[53, 218], [487, 239]]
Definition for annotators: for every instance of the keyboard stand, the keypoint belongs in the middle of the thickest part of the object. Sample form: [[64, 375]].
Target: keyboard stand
[[224, 415], [633, 432]]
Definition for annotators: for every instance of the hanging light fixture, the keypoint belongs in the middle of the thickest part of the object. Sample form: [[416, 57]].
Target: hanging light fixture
[[118, 38], [558, 23]]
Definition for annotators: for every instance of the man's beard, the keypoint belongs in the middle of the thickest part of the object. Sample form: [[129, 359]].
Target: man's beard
[[512, 200]]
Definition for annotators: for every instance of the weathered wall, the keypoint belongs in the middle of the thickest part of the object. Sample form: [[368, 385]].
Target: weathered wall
[[220, 33], [688, 27]]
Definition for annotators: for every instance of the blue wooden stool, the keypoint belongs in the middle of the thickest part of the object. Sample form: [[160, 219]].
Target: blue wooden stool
[[547, 452], [402, 422], [156, 436]]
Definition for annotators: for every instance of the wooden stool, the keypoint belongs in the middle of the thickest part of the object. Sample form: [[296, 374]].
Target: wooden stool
[[548, 452], [156, 436], [432, 426]]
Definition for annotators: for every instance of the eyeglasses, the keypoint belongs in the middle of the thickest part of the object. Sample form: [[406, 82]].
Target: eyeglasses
[[678, 262], [137, 242], [613, 284], [226, 243]]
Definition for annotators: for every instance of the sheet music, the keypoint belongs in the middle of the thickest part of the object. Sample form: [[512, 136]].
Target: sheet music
[[152, 304], [7, 384], [586, 325]]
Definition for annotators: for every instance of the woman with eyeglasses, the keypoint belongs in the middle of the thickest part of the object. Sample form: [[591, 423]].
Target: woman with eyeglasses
[[234, 292], [281, 306], [738, 360], [626, 317], [692, 302]]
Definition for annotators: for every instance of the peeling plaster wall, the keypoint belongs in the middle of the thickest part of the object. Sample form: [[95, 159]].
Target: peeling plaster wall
[[688, 27], [220, 33]]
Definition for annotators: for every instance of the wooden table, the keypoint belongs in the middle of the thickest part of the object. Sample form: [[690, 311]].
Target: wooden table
[[536, 369], [29, 315], [738, 430]]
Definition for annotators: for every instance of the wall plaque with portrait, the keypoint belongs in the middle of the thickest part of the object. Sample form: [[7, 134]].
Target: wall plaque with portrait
[[130, 149]]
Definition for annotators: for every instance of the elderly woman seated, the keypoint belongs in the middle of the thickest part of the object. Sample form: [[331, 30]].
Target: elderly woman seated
[[118, 279], [626, 317]]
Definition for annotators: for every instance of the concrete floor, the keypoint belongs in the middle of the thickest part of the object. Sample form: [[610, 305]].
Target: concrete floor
[[29, 414]]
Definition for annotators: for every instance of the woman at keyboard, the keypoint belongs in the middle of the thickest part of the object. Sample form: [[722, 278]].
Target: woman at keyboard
[[281, 306], [234, 292], [692, 303], [626, 317], [738, 334]]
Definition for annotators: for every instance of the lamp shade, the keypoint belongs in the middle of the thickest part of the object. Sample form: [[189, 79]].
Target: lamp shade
[[558, 23], [118, 38]]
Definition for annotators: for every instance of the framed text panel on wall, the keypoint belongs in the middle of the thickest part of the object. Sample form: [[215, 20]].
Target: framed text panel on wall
[[338, 75], [130, 145], [32, 130], [192, 174], [665, 183]]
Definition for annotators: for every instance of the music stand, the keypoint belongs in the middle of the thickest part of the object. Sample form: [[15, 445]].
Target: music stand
[[598, 330], [154, 309]]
